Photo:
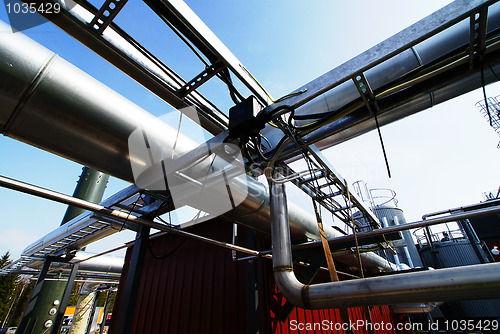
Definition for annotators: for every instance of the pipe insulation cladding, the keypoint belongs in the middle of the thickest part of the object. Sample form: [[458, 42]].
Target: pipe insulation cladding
[[431, 72], [49, 103]]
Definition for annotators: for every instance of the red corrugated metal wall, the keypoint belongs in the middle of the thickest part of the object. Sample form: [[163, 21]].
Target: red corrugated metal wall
[[383, 321], [200, 289], [197, 289]]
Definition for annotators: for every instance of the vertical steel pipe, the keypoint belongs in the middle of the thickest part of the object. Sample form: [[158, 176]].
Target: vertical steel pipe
[[469, 282]]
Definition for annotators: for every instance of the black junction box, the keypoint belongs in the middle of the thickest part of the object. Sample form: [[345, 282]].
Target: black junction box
[[243, 122]]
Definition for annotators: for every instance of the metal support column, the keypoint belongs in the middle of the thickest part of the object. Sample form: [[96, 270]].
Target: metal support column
[[29, 321], [473, 239], [47, 295], [90, 187], [105, 313], [65, 299], [131, 288]]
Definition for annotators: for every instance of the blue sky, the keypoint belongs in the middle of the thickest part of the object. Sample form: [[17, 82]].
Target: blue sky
[[440, 158]]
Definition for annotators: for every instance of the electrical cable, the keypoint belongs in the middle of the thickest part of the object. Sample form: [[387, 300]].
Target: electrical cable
[[258, 147], [178, 80], [280, 110], [224, 76], [244, 147], [257, 82], [185, 40], [279, 148], [130, 211], [265, 139], [257, 142], [172, 252], [169, 224], [284, 97], [325, 117], [382, 144]]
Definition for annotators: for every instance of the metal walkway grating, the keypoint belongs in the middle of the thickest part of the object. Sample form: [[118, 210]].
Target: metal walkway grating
[[77, 233]]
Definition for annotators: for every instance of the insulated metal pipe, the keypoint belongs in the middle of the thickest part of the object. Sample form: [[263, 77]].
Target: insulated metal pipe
[[469, 282], [119, 49], [49, 103], [444, 83], [494, 202], [88, 262], [405, 227], [371, 261]]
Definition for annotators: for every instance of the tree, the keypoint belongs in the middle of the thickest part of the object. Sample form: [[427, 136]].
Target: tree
[[24, 289], [7, 288]]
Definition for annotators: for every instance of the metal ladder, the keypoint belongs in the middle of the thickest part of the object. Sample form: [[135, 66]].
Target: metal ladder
[[328, 188]]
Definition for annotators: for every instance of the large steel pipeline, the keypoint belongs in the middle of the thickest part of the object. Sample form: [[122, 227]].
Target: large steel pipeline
[[394, 104], [371, 261], [119, 49], [89, 263], [49, 103], [105, 264], [82, 119], [469, 282]]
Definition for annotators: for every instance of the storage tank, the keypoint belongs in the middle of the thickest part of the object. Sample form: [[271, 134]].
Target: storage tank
[[384, 205], [448, 245]]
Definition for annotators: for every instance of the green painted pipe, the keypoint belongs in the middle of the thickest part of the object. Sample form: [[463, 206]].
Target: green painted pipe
[[90, 187], [45, 304]]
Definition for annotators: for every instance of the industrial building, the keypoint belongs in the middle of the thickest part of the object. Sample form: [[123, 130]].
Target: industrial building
[[255, 258]]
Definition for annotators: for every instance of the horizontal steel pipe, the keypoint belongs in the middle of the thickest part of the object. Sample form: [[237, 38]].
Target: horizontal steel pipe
[[88, 263], [470, 282], [469, 208], [122, 51], [106, 264], [371, 261], [385, 65], [47, 102], [405, 227], [65, 199]]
